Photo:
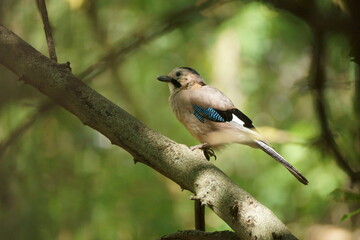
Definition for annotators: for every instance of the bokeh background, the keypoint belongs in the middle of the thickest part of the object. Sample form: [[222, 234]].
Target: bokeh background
[[62, 180]]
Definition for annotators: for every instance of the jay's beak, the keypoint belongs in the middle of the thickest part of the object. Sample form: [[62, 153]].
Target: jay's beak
[[164, 78]]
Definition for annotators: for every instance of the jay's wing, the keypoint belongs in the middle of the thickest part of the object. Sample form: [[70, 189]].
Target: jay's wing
[[210, 103], [216, 115]]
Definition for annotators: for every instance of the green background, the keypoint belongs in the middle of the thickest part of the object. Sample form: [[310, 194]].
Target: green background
[[62, 180]]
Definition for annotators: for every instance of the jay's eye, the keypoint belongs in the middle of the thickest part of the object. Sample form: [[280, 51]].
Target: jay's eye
[[178, 74]]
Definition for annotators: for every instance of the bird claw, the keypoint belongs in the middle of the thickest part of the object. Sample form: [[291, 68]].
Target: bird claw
[[208, 151]]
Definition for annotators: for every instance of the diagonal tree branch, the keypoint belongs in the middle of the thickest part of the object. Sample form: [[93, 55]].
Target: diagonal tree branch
[[189, 169], [117, 54]]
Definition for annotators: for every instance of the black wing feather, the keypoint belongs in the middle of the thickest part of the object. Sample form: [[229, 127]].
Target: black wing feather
[[247, 121], [227, 115]]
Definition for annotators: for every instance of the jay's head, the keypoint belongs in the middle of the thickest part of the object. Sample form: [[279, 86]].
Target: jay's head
[[183, 78]]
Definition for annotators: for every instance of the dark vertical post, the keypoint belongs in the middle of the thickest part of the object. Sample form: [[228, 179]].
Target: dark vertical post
[[199, 215]]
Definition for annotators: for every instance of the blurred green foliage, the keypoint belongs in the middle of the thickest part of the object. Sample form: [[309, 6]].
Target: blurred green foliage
[[61, 180]]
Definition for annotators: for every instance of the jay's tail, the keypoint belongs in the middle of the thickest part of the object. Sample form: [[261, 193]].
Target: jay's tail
[[282, 160]]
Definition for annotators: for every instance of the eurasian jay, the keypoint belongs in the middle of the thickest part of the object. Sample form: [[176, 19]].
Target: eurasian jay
[[212, 118]]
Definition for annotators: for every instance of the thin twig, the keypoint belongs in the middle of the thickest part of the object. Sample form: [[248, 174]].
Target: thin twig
[[47, 28]]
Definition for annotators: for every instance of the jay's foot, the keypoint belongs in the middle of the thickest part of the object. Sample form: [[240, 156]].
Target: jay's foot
[[208, 151]]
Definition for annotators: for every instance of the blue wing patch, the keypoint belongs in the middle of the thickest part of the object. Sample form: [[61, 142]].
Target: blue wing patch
[[208, 113]]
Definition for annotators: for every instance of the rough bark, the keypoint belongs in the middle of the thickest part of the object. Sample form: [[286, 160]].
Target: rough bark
[[248, 218]]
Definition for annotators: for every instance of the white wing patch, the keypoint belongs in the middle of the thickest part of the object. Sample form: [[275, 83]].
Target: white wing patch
[[237, 120]]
